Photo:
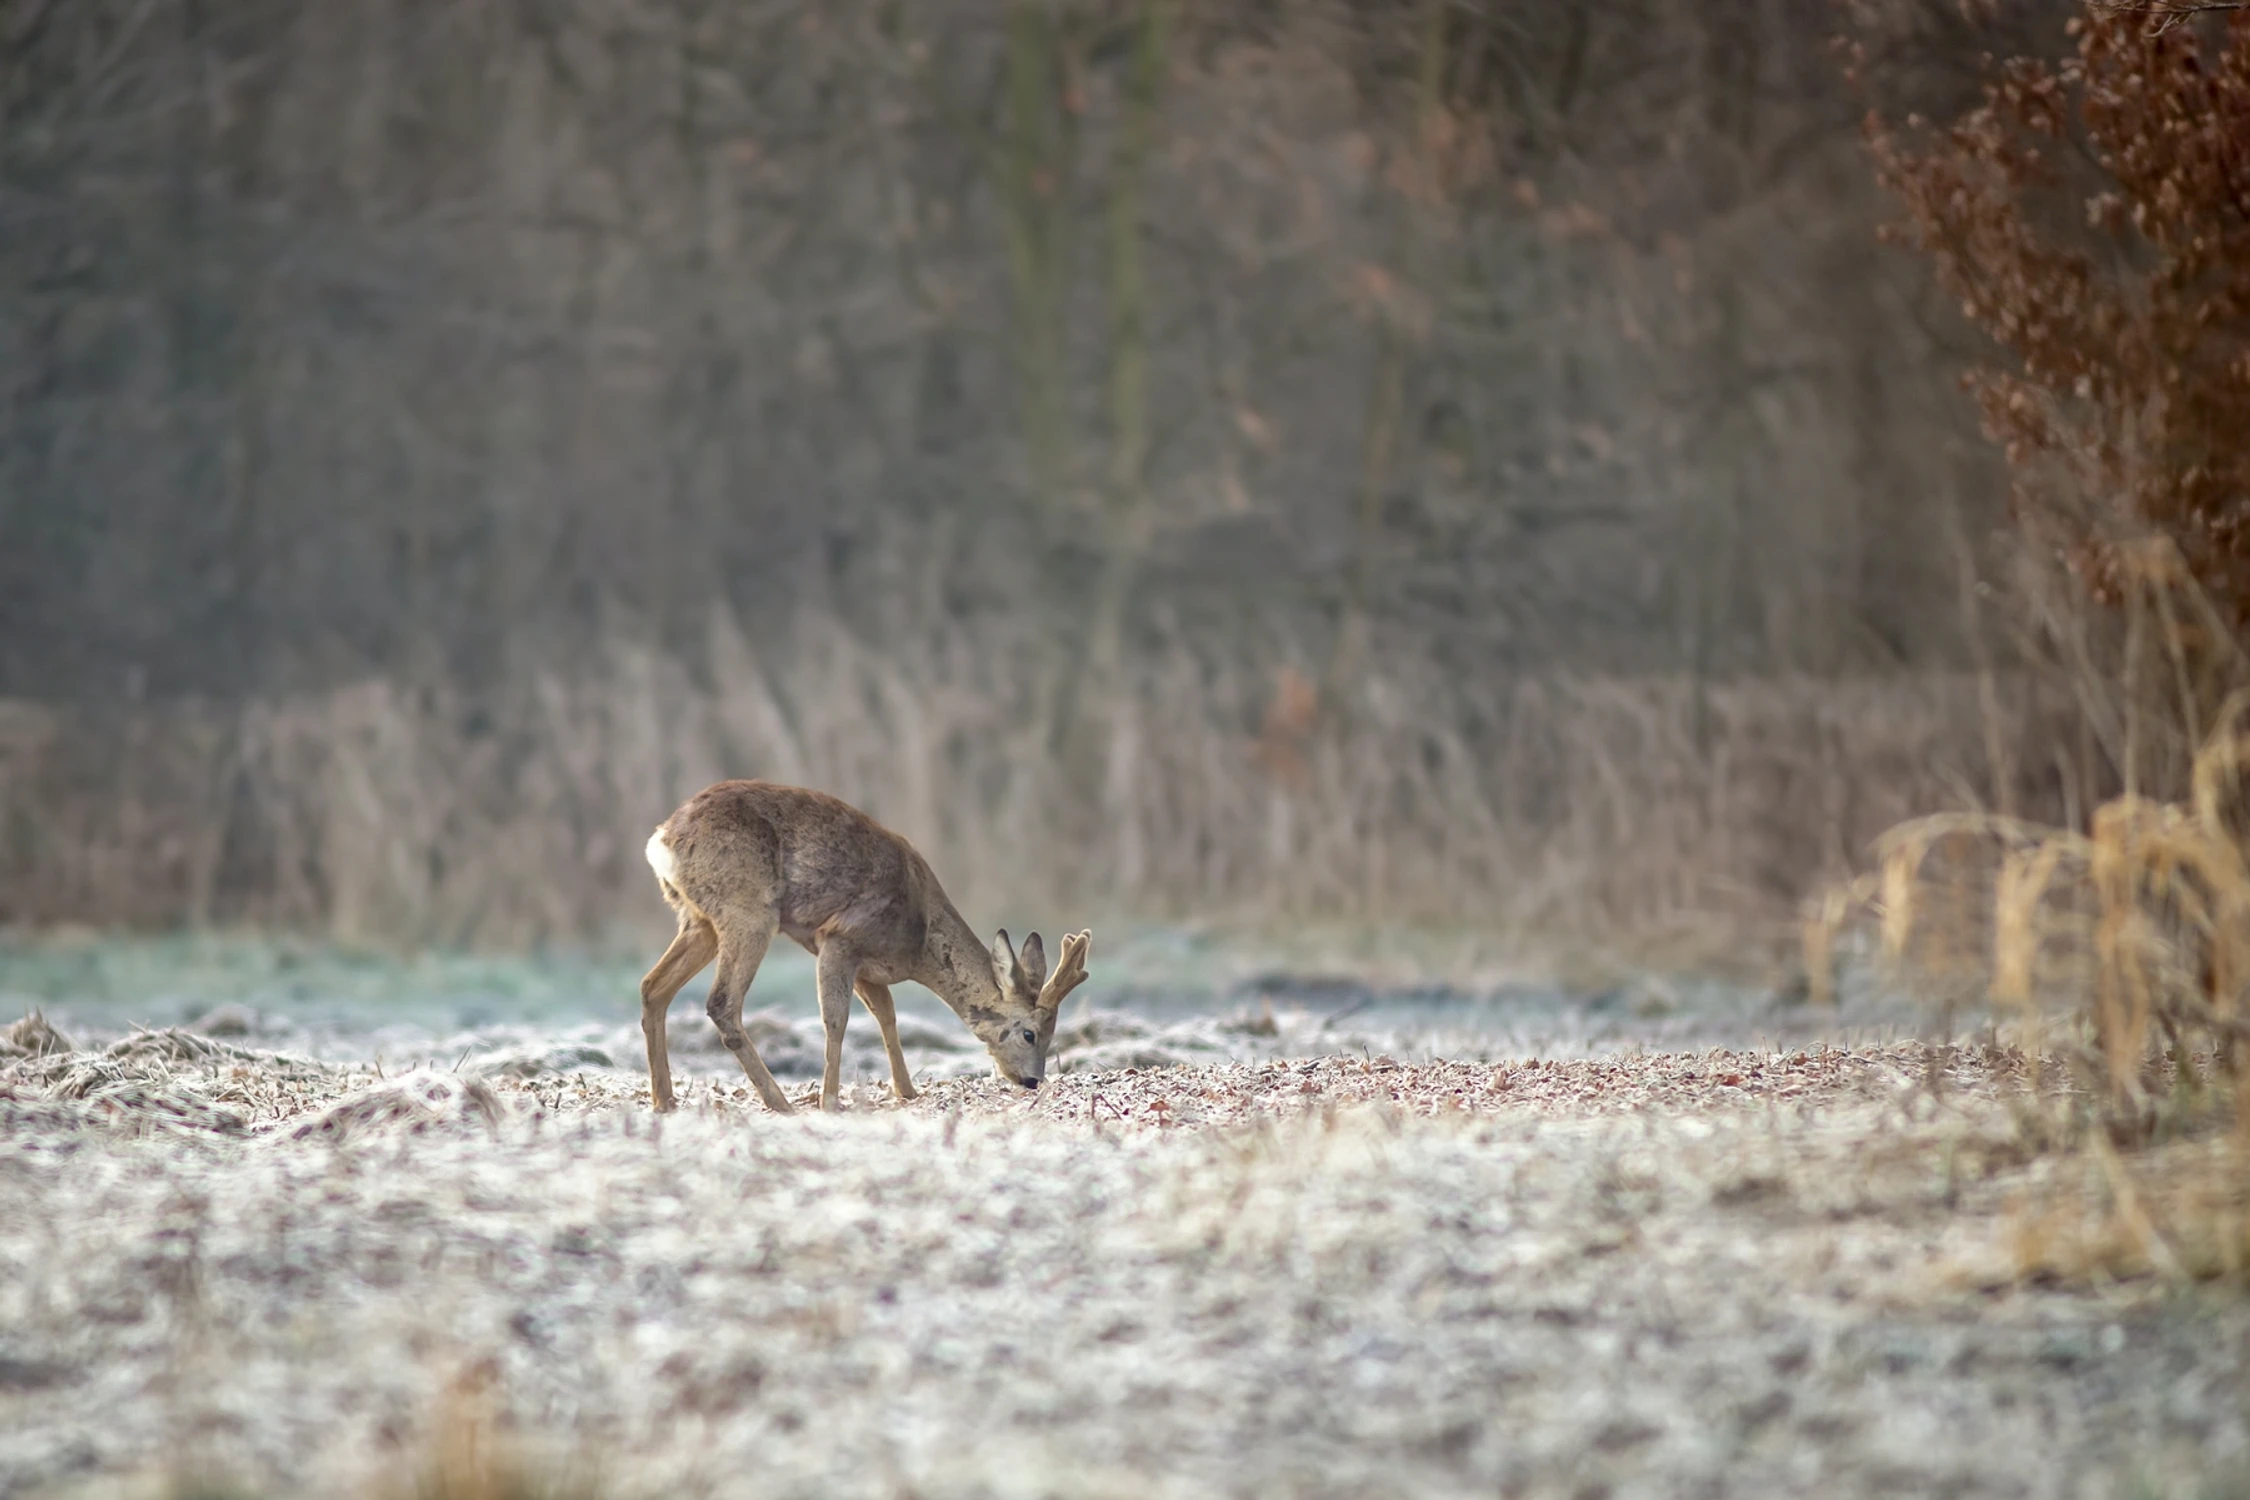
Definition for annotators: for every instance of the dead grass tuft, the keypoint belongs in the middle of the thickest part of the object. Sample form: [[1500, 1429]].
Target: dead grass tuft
[[473, 1454], [168, 1080], [2123, 953], [416, 1103], [32, 1037], [2117, 956], [2126, 947], [2180, 1212], [118, 1089]]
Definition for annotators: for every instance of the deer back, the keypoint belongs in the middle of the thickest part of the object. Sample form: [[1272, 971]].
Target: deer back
[[823, 869]]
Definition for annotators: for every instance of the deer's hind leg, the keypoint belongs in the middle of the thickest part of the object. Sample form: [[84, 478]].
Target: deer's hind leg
[[877, 999], [691, 949], [742, 947]]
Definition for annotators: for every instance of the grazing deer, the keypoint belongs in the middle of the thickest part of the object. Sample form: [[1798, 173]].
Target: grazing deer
[[742, 860]]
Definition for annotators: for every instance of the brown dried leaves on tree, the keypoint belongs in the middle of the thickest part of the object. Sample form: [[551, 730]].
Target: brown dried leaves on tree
[[2093, 216]]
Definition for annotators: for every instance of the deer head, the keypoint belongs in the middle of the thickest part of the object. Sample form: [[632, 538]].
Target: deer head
[[1030, 999]]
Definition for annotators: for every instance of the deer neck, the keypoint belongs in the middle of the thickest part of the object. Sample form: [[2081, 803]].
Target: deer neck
[[957, 968]]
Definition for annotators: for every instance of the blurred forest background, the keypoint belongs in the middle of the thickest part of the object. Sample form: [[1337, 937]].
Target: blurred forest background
[[1406, 461]]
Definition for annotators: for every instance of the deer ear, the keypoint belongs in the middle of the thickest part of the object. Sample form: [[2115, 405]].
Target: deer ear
[[1004, 965], [1034, 963]]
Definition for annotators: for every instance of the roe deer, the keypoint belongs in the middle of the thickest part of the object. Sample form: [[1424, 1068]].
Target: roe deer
[[742, 860]]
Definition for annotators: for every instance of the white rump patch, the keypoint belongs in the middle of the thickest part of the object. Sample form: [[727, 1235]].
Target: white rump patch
[[660, 859]]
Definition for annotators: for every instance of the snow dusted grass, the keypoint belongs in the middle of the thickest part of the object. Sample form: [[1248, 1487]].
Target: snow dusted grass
[[1674, 1274]]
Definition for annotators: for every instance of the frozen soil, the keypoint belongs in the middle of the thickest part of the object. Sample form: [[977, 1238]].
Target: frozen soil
[[1252, 1256]]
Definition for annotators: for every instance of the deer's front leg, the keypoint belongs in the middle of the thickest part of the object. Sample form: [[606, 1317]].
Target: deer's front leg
[[691, 949], [839, 966], [877, 999]]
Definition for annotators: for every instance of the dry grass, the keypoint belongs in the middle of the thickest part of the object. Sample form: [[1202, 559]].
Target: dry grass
[[468, 1451], [1654, 812], [2123, 953], [2136, 933], [31, 1037], [2179, 1212], [473, 1455]]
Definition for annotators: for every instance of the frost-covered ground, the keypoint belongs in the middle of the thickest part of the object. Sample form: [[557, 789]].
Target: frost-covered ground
[[1258, 1237], [1209, 999]]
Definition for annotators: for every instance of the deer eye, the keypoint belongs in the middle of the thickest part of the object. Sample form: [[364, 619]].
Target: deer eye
[[1031, 1036]]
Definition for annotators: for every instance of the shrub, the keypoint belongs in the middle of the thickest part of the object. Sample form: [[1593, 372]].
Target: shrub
[[2093, 217]]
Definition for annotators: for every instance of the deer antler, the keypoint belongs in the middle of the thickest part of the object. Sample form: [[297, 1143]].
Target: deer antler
[[1070, 971]]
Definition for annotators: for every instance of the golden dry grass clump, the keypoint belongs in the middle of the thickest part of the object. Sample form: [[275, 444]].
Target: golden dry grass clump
[[2120, 954], [2132, 938], [468, 1450], [2180, 1211], [473, 1455]]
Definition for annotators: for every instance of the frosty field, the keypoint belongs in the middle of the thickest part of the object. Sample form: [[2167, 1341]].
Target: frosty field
[[1261, 1237]]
